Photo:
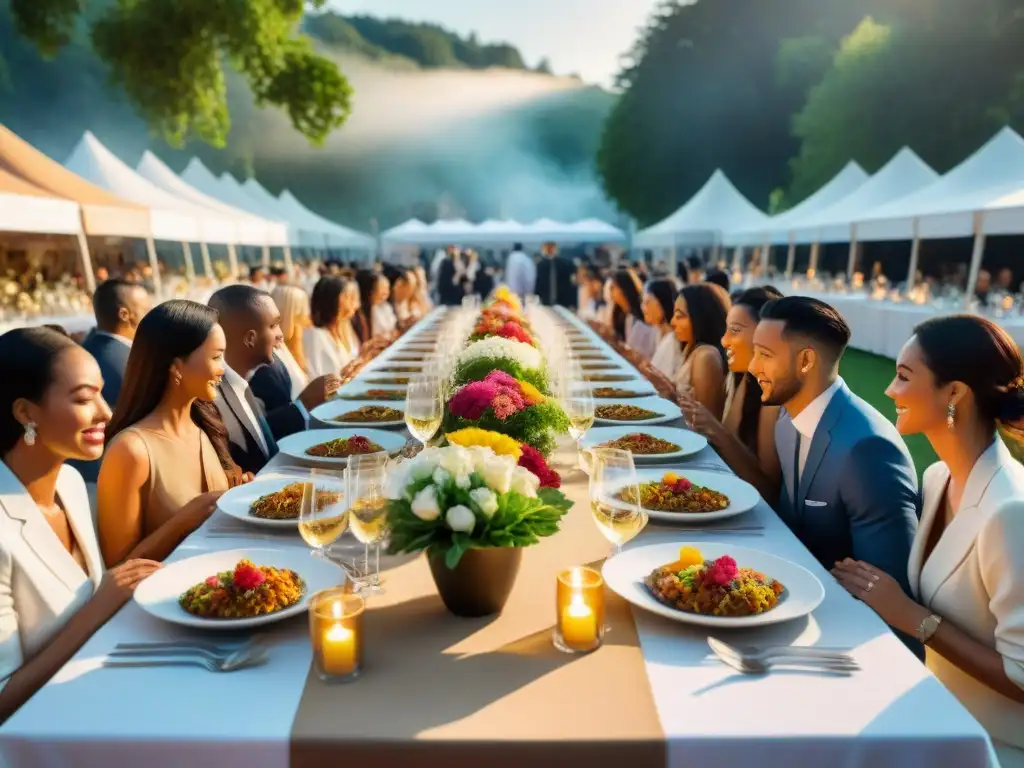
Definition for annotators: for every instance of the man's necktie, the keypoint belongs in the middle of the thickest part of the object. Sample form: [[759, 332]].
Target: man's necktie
[[796, 468], [261, 421]]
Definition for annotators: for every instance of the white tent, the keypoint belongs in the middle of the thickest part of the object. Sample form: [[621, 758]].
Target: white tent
[[268, 210], [336, 235], [25, 207], [716, 208], [493, 231], [200, 177], [407, 232], [778, 229], [595, 231]]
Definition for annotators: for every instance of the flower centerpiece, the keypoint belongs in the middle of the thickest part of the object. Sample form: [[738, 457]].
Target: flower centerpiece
[[503, 445], [502, 325], [502, 403], [504, 297], [472, 511], [517, 359]]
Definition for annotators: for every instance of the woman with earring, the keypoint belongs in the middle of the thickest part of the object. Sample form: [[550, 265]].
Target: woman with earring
[[168, 457], [957, 379], [698, 321], [54, 590]]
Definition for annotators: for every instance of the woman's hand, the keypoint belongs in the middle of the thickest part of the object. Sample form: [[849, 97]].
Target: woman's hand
[[697, 417], [201, 507], [881, 593], [119, 583], [238, 478]]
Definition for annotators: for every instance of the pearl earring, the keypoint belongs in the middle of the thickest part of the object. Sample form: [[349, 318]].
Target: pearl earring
[[30, 433], [950, 415]]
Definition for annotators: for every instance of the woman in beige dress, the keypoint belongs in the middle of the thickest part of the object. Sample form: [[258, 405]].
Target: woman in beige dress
[[957, 379], [698, 321], [168, 451]]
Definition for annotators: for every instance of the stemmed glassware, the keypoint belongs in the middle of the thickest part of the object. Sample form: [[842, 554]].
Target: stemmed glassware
[[367, 509], [615, 496], [423, 409], [579, 407], [323, 511]]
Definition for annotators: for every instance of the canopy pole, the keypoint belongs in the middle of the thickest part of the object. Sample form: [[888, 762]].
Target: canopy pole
[[976, 256], [266, 256], [766, 253], [154, 265], [83, 253], [790, 259], [815, 253], [288, 260], [915, 251], [851, 262], [233, 261], [715, 255], [737, 257], [204, 252], [190, 267]]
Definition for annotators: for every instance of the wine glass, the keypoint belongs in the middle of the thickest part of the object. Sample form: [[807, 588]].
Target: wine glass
[[423, 408], [579, 407], [367, 507], [615, 496], [323, 513]]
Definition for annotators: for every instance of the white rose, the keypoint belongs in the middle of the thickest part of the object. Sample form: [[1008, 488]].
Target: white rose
[[424, 505], [398, 477], [524, 482], [441, 477], [424, 464], [497, 472], [457, 460], [463, 481], [460, 519], [485, 499]]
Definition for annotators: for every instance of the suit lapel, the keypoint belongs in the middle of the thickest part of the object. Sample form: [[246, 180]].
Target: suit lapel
[[820, 442], [932, 495], [785, 440], [75, 501], [239, 413]]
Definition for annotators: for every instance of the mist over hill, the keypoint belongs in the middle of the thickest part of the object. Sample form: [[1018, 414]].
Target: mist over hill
[[442, 125]]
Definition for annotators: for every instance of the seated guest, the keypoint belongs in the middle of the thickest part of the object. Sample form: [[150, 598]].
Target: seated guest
[[119, 307], [167, 461], [849, 486], [698, 320], [421, 303], [402, 290], [657, 306], [719, 278], [956, 379], [54, 590], [258, 276], [745, 434], [333, 341], [378, 316], [591, 293], [293, 304], [628, 315]]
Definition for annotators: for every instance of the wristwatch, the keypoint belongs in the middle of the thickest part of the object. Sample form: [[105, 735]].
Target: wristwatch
[[928, 627]]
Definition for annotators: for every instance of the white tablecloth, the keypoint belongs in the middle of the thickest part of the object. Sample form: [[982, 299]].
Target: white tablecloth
[[892, 714]]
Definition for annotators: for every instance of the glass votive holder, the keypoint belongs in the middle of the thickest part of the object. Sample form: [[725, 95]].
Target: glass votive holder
[[336, 634], [579, 607]]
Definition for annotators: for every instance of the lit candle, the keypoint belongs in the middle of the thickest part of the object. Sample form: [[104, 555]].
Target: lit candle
[[579, 624], [339, 647]]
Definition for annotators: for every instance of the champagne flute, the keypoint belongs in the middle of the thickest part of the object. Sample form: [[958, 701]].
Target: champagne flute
[[323, 513], [579, 407], [367, 506], [615, 496], [423, 408]]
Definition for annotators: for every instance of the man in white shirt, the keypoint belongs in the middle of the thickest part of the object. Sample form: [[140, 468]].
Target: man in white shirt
[[520, 272]]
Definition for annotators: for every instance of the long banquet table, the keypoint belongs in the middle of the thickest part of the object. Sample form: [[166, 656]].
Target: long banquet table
[[438, 690]]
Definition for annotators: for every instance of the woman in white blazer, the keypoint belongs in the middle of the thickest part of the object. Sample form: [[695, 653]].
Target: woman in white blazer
[[54, 591], [956, 379]]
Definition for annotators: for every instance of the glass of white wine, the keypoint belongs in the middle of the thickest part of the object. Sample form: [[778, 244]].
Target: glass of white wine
[[423, 407], [615, 496], [323, 511], [367, 508], [579, 407]]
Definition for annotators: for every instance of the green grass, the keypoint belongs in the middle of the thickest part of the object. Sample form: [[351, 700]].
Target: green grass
[[869, 375]]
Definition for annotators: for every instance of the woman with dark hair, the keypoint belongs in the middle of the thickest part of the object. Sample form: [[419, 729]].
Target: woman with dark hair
[[333, 340], [628, 315], [402, 289], [957, 380], [698, 320], [591, 297], [168, 456], [54, 590], [659, 298], [378, 319], [744, 435]]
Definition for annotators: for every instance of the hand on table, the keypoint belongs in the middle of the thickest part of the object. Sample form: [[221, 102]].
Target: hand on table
[[697, 417], [118, 584], [881, 592], [201, 507], [320, 390]]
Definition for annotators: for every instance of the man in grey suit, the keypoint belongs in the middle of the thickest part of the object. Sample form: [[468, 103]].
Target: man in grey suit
[[849, 485]]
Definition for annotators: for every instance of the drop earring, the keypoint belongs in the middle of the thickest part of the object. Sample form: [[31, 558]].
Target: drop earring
[[30, 433], [177, 379], [950, 415]]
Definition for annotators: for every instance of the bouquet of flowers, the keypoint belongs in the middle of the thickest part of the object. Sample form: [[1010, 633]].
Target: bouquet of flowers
[[503, 445], [503, 296], [450, 500], [501, 403], [491, 324], [520, 361]]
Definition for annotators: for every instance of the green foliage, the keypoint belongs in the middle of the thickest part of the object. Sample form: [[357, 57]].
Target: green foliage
[[535, 426], [477, 370]]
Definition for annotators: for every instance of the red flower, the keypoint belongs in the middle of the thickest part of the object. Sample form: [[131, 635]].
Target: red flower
[[514, 331], [682, 485], [721, 572], [213, 581], [248, 576], [532, 460]]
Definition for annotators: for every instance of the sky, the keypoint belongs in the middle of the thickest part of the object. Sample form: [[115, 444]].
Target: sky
[[584, 37]]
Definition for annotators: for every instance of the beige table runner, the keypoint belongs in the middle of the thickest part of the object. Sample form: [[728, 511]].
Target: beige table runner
[[441, 690]]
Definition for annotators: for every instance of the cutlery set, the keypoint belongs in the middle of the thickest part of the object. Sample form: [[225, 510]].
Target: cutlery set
[[751, 660], [213, 657]]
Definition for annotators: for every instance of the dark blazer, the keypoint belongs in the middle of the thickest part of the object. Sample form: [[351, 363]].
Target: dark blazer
[[560, 269], [112, 356], [242, 439], [272, 384]]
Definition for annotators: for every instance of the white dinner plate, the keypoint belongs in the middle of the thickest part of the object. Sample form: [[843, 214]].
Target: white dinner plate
[[158, 594], [240, 499], [666, 408], [324, 415], [625, 573], [295, 446], [743, 497], [689, 442]]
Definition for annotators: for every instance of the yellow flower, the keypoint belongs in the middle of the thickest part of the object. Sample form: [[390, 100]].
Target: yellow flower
[[497, 442], [531, 393], [505, 295]]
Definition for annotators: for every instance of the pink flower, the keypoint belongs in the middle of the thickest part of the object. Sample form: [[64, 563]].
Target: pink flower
[[721, 572], [501, 379], [248, 576], [505, 404], [473, 399]]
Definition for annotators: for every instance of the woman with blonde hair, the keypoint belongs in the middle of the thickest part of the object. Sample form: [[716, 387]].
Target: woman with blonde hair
[[293, 304]]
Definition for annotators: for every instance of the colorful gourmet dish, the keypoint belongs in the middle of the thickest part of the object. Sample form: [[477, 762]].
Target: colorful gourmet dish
[[642, 444], [617, 392], [247, 591], [286, 503], [713, 587], [370, 414], [400, 369], [674, 493], [606, 377], [344, 447], [389, 380], [376, 394], [622, 412]]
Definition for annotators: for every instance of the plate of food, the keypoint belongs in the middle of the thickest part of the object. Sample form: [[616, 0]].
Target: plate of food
[[387, 381], [649, 443], [404, 368], [371, 413], [332, 447], [624, 392], [714, 585], [617, 376], [392, 395], [640, 411], [237, 588], [692, 496], [275, 502]]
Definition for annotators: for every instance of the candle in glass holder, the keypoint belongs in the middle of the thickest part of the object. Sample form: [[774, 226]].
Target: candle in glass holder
[[579, 621], [336, 633]]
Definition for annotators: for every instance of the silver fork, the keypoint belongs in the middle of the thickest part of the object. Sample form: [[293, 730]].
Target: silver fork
[[219, 649], [754, 652], [760, 663], [235, 661]]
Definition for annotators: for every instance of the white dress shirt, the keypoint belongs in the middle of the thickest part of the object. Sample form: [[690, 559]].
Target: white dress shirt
[[323, 354], [520, 274], [807, 422], [240, 386]]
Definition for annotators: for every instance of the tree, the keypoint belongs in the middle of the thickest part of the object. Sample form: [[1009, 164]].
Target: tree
[[169, 56], [544, 67]]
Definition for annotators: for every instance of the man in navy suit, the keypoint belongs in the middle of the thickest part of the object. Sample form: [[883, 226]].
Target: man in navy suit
[[849, 485], [119, 307]]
